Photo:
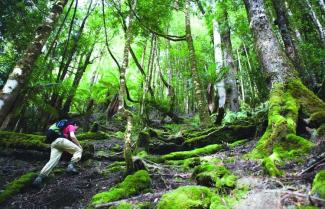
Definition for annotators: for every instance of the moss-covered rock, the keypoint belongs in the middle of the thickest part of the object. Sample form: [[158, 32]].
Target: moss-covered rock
[[186, 197], [125, 205], [115, 167], [228, 201], [185, 164], [209, 174], [132, 184], [319, 184], [16, 185]]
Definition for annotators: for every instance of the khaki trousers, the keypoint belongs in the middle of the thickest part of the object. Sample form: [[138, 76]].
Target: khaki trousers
[[57, 148]]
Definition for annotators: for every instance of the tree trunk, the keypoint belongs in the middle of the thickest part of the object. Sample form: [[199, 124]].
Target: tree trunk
[[82, 66], [128, 39], [220, 85], [288, 95], [316, 22], [201, 101], [229, 62], [24, 67]]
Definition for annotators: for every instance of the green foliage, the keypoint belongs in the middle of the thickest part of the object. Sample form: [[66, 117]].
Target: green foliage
[[319, 184], [16, 185], [186, 197], [132, 184]]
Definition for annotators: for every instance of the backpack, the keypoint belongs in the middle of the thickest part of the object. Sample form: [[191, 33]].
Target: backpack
[[56, 130]]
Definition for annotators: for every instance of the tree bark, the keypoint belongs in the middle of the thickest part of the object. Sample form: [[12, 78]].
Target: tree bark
[[24, 67], [229, 62], [201, 101], [272, 58], [287, 95], [128, 39], [82, 66]]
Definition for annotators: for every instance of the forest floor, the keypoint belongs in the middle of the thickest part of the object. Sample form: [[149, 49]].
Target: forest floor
[[61, 190]]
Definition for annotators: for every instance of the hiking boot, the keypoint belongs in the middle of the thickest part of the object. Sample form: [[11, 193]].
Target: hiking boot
[[38, 181], [71, 169]]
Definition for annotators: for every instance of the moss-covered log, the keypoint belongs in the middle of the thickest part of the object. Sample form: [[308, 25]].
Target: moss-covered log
[[19, 144], [158, 142], [132, 184], [16, 185]]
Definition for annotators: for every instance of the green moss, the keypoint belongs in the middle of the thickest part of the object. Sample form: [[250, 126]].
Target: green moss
[[93, 136], [270, 167], [115, 167], [24, 141], [125, 205], [185, 164], [210, 149], [209, 174], [319, 184], [186, 197], [310, 103], [228, 201], [16, 185], [132, 184], [307, 207], [280, 143]]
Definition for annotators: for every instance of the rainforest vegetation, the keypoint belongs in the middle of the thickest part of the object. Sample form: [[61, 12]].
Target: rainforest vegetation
[[205, 104]]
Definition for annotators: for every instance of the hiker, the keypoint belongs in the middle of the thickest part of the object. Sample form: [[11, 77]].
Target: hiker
[[66, 142]]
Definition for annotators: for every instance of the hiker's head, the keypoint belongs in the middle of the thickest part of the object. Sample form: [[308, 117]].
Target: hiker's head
[[74, 123]]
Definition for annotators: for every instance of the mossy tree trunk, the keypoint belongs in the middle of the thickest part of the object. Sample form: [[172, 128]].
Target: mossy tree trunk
[[19, 76], [287, 95], [202, 104]]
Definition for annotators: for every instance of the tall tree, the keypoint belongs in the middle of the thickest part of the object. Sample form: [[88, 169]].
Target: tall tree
[[201, 101], [19, 76], [287, 95], [229, 59]]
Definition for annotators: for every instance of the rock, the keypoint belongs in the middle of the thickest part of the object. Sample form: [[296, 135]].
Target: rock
[[270, 199]]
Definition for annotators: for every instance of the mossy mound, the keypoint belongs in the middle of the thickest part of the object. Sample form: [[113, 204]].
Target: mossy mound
[[186, 197], [24, 141], [209, 174], [132, 184], [185, 164], [319, 184], [115, 167], [93, 136], [16, 185]]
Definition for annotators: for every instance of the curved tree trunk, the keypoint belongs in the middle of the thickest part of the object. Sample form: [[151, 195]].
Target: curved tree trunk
[[19, 76], [201, 101], [287, 96]]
